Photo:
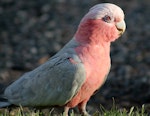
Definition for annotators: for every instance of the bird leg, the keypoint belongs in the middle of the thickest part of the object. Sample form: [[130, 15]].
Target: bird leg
[[82, 108], [66, 110]]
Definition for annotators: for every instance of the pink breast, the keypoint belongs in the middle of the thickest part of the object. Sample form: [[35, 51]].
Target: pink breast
[[97, 67]]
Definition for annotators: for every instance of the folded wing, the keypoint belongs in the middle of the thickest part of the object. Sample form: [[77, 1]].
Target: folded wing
[[53, 83]]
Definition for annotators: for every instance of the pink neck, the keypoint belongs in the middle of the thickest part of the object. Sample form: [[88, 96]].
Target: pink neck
[[94, 44], [94, 51], [95, 32]]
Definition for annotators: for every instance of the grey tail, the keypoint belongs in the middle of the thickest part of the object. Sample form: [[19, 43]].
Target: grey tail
[[3, 101], [4, 104]]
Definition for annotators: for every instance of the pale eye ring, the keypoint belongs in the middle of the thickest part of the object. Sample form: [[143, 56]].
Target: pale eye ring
[[107, 18]]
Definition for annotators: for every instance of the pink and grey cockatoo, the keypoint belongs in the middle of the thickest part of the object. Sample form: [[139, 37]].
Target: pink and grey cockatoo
[[70, 77]]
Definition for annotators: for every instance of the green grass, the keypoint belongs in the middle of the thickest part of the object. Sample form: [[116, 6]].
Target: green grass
[[102, 112], [122, 112]]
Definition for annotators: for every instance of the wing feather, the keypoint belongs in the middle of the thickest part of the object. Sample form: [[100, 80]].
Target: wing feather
[[53, 83]]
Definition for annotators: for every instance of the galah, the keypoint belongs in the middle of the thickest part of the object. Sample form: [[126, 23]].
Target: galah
[[70, 77]]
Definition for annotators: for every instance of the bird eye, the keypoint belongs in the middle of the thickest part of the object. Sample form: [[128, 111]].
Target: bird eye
[[107, 19]]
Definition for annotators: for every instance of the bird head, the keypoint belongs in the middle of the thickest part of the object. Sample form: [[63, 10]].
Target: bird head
[[103, 22]]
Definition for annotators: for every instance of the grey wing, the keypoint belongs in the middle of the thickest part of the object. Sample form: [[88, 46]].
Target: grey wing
[[53, 83]]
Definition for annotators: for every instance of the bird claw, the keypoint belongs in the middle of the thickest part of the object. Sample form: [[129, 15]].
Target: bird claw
[[85, 113]]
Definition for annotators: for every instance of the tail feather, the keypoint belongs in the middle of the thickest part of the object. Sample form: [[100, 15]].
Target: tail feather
[[3, 101], [4, 104]]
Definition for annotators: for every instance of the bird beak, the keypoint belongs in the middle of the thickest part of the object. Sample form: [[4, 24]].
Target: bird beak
[[121, 26]]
